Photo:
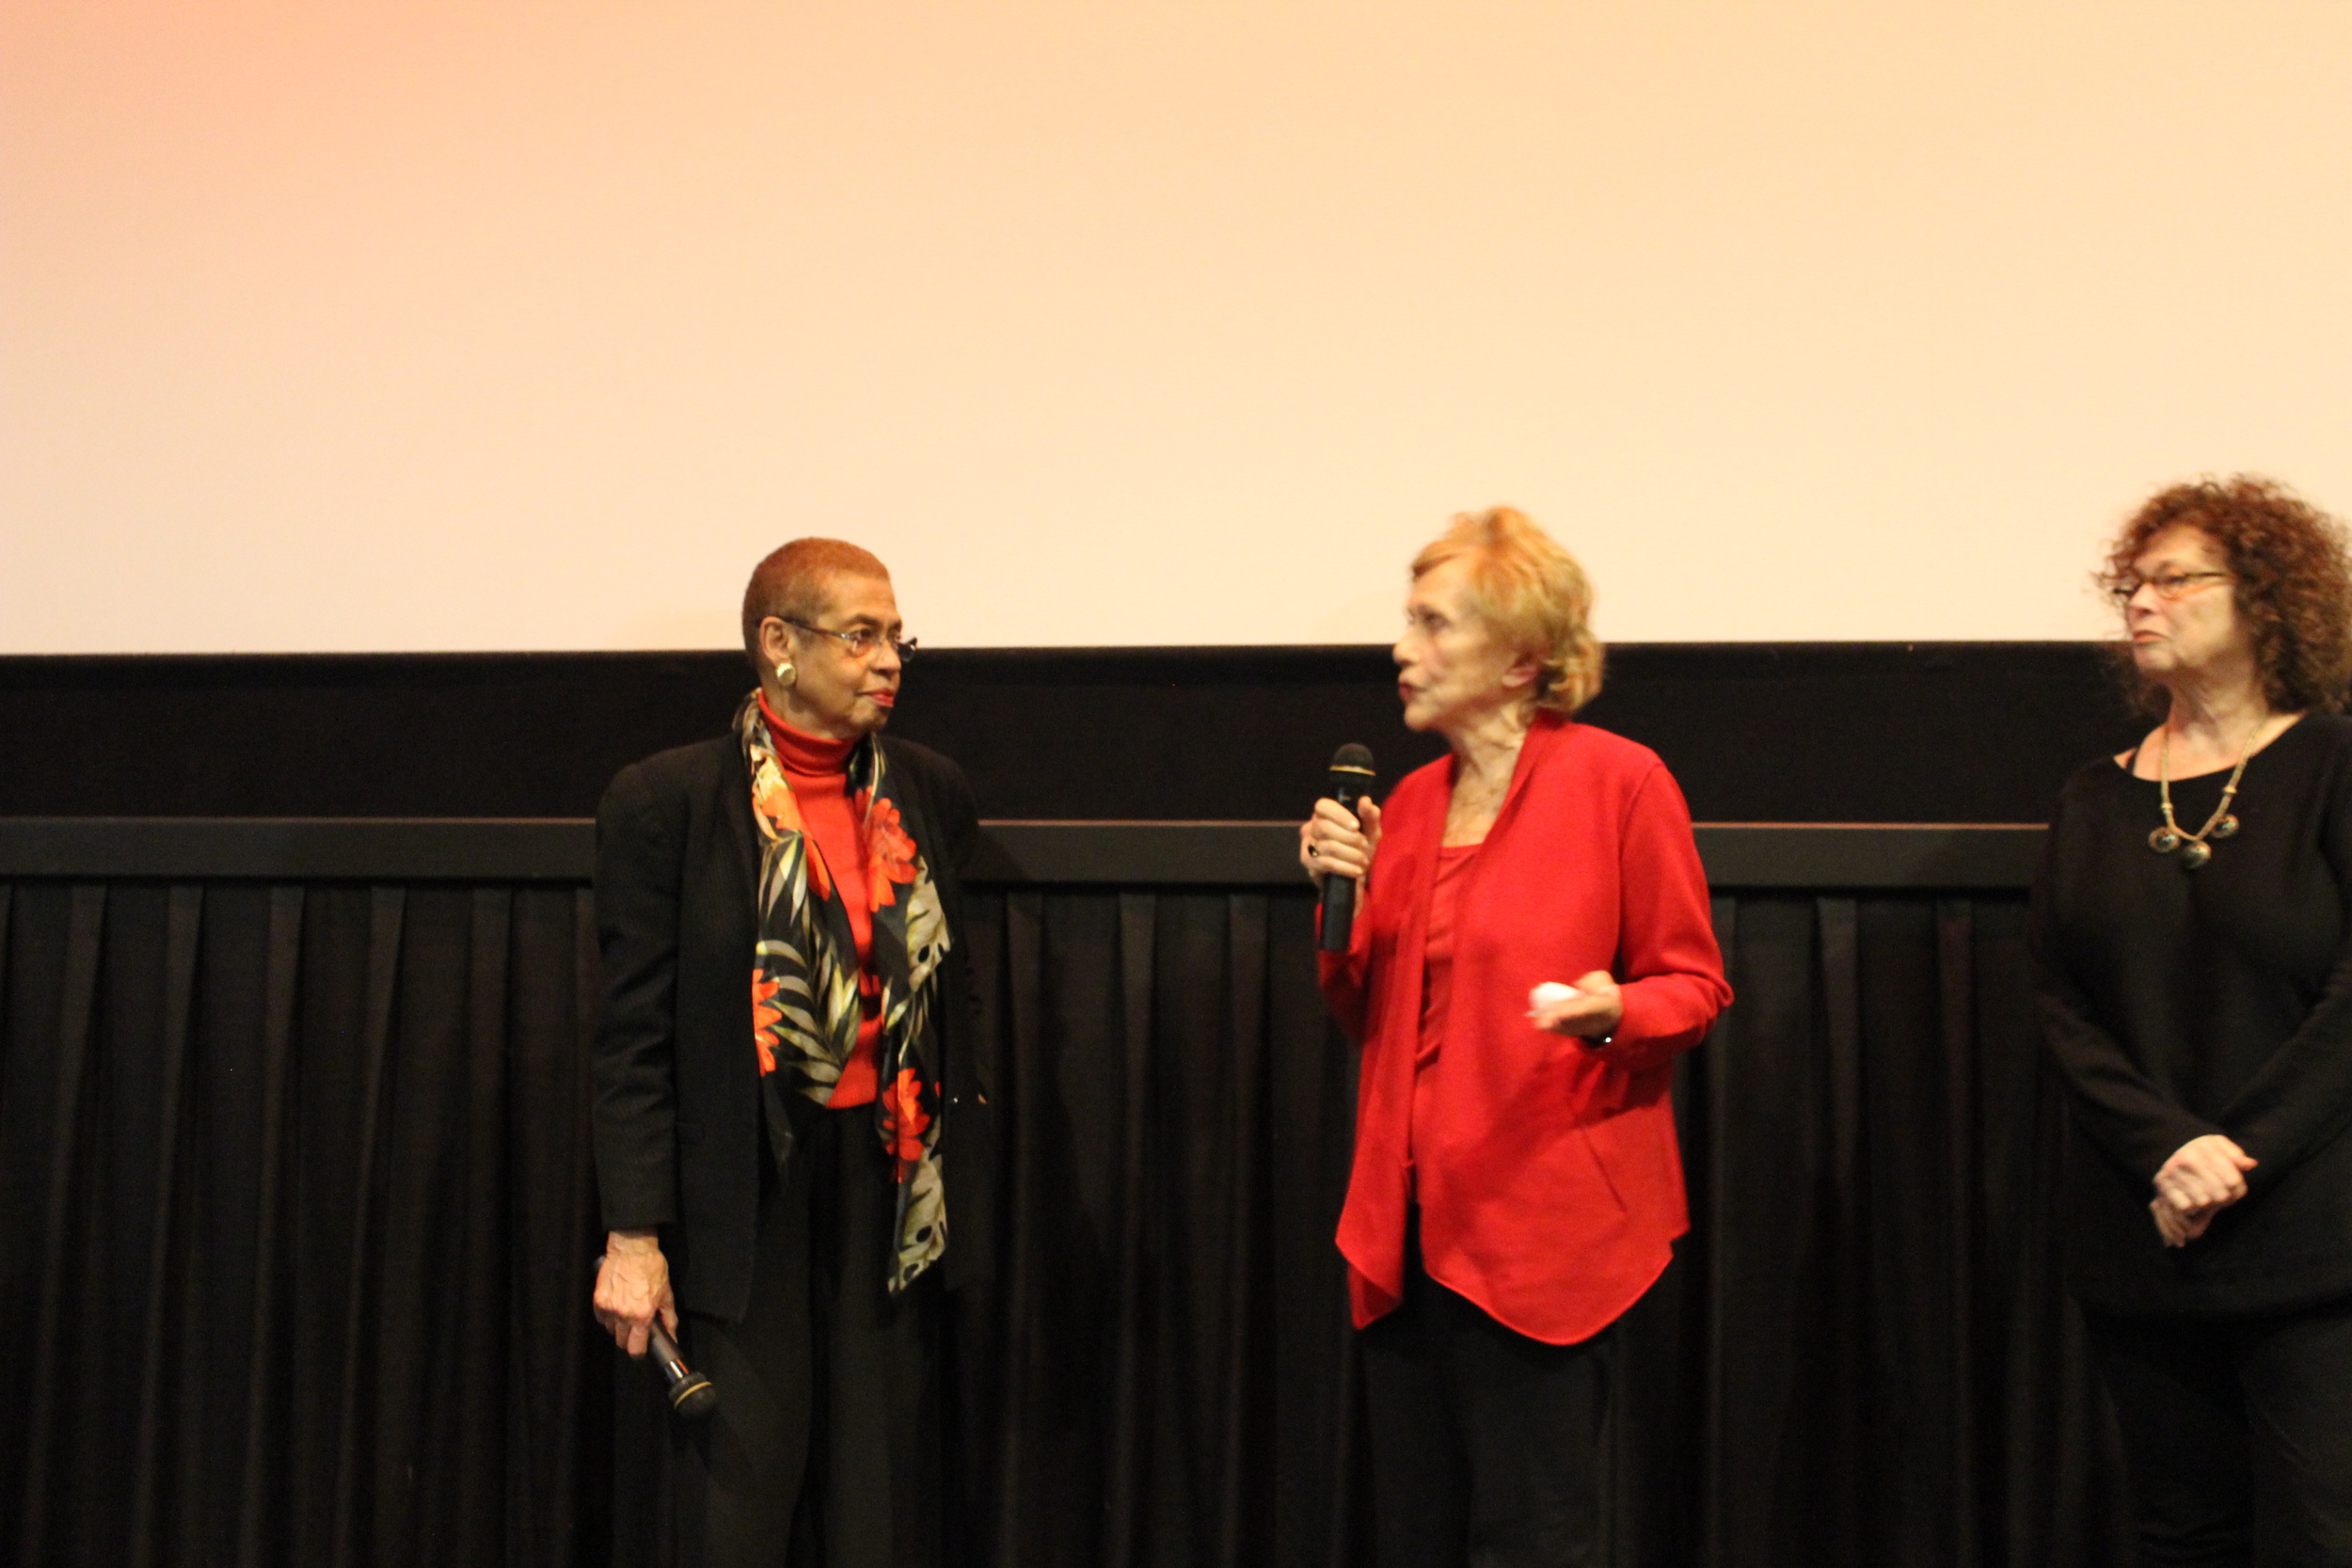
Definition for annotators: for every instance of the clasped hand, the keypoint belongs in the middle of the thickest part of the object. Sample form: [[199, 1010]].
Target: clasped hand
[[2203, 1177]]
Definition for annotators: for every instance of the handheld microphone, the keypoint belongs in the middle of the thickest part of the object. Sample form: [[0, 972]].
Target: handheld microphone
[[1351, 781], [691, 1395]]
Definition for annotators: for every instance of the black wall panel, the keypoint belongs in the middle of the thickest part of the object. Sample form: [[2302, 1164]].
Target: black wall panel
[[1867, 731]]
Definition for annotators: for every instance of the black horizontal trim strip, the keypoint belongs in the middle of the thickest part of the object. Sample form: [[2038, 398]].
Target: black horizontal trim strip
[[1742, 855], [301, 848], [1962, 857], [1179, 854]]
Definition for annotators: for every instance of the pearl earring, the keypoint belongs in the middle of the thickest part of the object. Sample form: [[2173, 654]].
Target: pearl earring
[[785, 674]]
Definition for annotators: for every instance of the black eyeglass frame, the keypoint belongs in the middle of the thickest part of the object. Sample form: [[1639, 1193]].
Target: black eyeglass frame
[[2169, 587]]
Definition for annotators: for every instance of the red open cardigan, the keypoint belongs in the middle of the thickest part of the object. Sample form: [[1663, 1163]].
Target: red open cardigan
[[1549, 1184]]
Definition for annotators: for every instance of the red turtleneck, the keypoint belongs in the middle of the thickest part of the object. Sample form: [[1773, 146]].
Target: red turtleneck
[[817, 770]]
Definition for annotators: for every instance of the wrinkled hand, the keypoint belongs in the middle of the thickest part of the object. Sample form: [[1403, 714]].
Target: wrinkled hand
[[632, 1286], [2175, 1229], [1593, 1013], [1338, 842], [2203, 1177]]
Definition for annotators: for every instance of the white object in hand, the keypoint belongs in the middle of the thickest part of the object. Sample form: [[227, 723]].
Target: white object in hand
[[1549, 992]]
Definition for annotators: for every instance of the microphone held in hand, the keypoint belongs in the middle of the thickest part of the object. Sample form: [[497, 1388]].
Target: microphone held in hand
[[690, 1393], [1351, 781]]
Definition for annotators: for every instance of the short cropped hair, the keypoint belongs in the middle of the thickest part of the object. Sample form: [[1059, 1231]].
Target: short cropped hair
[[795, 583], [1533, 593], [2294, 581]]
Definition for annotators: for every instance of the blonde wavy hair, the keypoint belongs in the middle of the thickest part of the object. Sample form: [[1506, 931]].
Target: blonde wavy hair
[[1533, 594]]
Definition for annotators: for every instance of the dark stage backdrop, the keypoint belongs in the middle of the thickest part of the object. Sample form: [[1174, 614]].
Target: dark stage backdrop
[[297, 1213], [1770, 732]]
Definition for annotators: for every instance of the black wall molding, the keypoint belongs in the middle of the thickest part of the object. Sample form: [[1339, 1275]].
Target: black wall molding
[[1739, 855], [300, 849], [1754, 732]]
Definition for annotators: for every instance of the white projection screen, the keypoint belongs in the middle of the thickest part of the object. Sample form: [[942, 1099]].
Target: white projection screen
[[414, 325]]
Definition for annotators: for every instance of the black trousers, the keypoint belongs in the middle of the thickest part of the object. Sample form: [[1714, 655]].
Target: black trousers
[[825, 1450], [2237, 1434], [1487, 1445]]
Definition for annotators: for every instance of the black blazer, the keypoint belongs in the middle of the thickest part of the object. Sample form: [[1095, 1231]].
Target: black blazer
[[679, 1135]]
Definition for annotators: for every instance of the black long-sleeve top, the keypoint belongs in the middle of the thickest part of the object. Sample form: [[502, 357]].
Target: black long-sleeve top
[[2180, 1003]]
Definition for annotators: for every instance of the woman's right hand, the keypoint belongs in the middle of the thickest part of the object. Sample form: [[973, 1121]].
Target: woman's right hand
[[1336, 841], [2203, 1177]]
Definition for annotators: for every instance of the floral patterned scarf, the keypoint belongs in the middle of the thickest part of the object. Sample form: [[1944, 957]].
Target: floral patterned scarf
[[804, 980]]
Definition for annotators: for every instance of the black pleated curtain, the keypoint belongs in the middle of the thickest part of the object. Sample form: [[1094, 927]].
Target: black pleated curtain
[[297, 1208], [297, 1212]]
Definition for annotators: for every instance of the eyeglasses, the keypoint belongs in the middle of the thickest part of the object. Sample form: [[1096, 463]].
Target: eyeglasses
[[861, 641], [2169, 585]]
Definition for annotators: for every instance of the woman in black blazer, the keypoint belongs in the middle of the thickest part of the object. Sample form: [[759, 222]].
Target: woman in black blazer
[[784, 1046]]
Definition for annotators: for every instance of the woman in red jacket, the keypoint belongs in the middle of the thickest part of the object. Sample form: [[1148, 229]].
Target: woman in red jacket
[[1532, 951]]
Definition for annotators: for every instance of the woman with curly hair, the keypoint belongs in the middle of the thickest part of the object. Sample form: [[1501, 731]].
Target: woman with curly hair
[[2192, 937], [1533, 952]]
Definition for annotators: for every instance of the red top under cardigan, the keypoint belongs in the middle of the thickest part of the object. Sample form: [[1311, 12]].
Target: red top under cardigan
[[1550, 1184], [818, 769]]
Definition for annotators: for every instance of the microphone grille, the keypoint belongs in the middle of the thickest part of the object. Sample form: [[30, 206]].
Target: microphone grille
[[1353, 756]]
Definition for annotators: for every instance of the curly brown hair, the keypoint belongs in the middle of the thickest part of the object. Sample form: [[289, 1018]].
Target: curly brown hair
[[2292, 575]]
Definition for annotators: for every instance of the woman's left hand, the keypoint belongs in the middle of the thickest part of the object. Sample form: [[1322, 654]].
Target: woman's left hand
[[2208, 1172], [1593, 1014]]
